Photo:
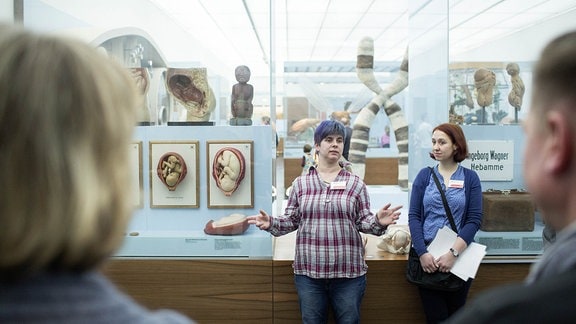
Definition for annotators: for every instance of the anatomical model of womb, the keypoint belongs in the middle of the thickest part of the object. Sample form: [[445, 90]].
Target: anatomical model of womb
[[228, 169], [171, 170], [191, 89]]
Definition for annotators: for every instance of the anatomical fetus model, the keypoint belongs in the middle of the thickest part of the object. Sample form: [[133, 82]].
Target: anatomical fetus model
[[228, 169], [485, 80], [190, 88], [517, 92], [242, 94], [171, 170]]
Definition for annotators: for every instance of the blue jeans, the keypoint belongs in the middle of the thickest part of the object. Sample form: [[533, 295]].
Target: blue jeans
[[344, 295]]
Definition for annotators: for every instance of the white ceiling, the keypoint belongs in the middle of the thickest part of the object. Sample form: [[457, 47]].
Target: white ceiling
[[318, 37], [329, 30]]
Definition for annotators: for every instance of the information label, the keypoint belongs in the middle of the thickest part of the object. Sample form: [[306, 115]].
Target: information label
[[492, 160]]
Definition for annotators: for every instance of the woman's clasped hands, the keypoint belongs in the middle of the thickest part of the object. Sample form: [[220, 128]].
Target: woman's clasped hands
[[442, 264]]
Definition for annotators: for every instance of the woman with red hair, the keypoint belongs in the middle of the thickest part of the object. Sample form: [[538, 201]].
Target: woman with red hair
[[427, 215]]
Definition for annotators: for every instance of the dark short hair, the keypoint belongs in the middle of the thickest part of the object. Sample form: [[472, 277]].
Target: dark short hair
[[307, 148], [457, 137], [327, 128]]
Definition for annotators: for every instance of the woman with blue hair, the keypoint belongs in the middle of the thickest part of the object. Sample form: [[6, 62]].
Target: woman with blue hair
[[329, 207]]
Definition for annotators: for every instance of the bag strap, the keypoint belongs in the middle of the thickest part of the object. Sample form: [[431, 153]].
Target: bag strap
[[446, 207]]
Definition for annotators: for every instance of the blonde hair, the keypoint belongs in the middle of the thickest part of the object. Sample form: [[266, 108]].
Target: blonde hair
[[66, 119]]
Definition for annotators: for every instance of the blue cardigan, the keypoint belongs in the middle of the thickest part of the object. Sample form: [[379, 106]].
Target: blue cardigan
[[473, 209]]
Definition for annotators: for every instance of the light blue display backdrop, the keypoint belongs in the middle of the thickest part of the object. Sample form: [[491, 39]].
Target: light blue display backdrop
[[505, 243], [179, 232]]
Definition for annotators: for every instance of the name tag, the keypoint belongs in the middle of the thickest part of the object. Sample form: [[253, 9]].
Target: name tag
[[338, 185], [456, 184]]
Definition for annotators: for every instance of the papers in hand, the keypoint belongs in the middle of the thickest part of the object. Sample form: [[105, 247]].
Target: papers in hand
[[468, 261]]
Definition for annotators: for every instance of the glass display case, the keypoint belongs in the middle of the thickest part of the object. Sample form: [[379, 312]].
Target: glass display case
[[296, 94], [187, 248], [508, 98]]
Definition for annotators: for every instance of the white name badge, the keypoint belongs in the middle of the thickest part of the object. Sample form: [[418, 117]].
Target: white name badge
[[456, 184], [338, 185]]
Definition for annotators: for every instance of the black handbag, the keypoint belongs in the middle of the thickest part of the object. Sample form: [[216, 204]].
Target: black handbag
[[444, 281]]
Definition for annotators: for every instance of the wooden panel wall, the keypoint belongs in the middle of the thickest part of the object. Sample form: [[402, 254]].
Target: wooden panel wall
[[379, 171], [260, 291], [389, 297], [220, 291]]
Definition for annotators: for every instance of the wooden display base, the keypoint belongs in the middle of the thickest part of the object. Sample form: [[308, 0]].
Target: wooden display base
[[262, 291]]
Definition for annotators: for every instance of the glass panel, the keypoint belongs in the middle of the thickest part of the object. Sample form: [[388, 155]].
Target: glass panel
[[428, 78], [489, 94], [303, 54]]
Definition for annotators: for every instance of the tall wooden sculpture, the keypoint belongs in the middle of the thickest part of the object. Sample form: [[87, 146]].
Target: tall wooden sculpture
[[364, 120]]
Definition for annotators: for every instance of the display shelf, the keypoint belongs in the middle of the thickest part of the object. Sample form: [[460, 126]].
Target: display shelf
[[513, 243], [195, 243]]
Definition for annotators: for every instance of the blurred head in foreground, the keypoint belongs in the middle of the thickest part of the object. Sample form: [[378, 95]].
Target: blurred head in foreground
[[67, 113]]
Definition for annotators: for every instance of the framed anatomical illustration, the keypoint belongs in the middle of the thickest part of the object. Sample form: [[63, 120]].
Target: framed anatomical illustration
[[136, 176], [174, 174], [230, 174]]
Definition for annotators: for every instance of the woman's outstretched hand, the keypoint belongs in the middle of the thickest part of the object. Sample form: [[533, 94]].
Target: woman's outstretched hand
[[388, 216], [262, 220]]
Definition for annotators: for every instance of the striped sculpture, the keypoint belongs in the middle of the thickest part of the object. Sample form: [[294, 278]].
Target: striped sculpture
[[365, 118]]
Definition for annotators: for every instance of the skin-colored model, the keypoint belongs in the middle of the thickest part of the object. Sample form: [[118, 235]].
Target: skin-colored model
[[171, 170], [229, 169], [517, 92], [484, 81]]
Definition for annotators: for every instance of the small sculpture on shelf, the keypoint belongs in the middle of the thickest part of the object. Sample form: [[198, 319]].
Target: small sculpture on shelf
[[241, 99], [517, 91], [484, 81]]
